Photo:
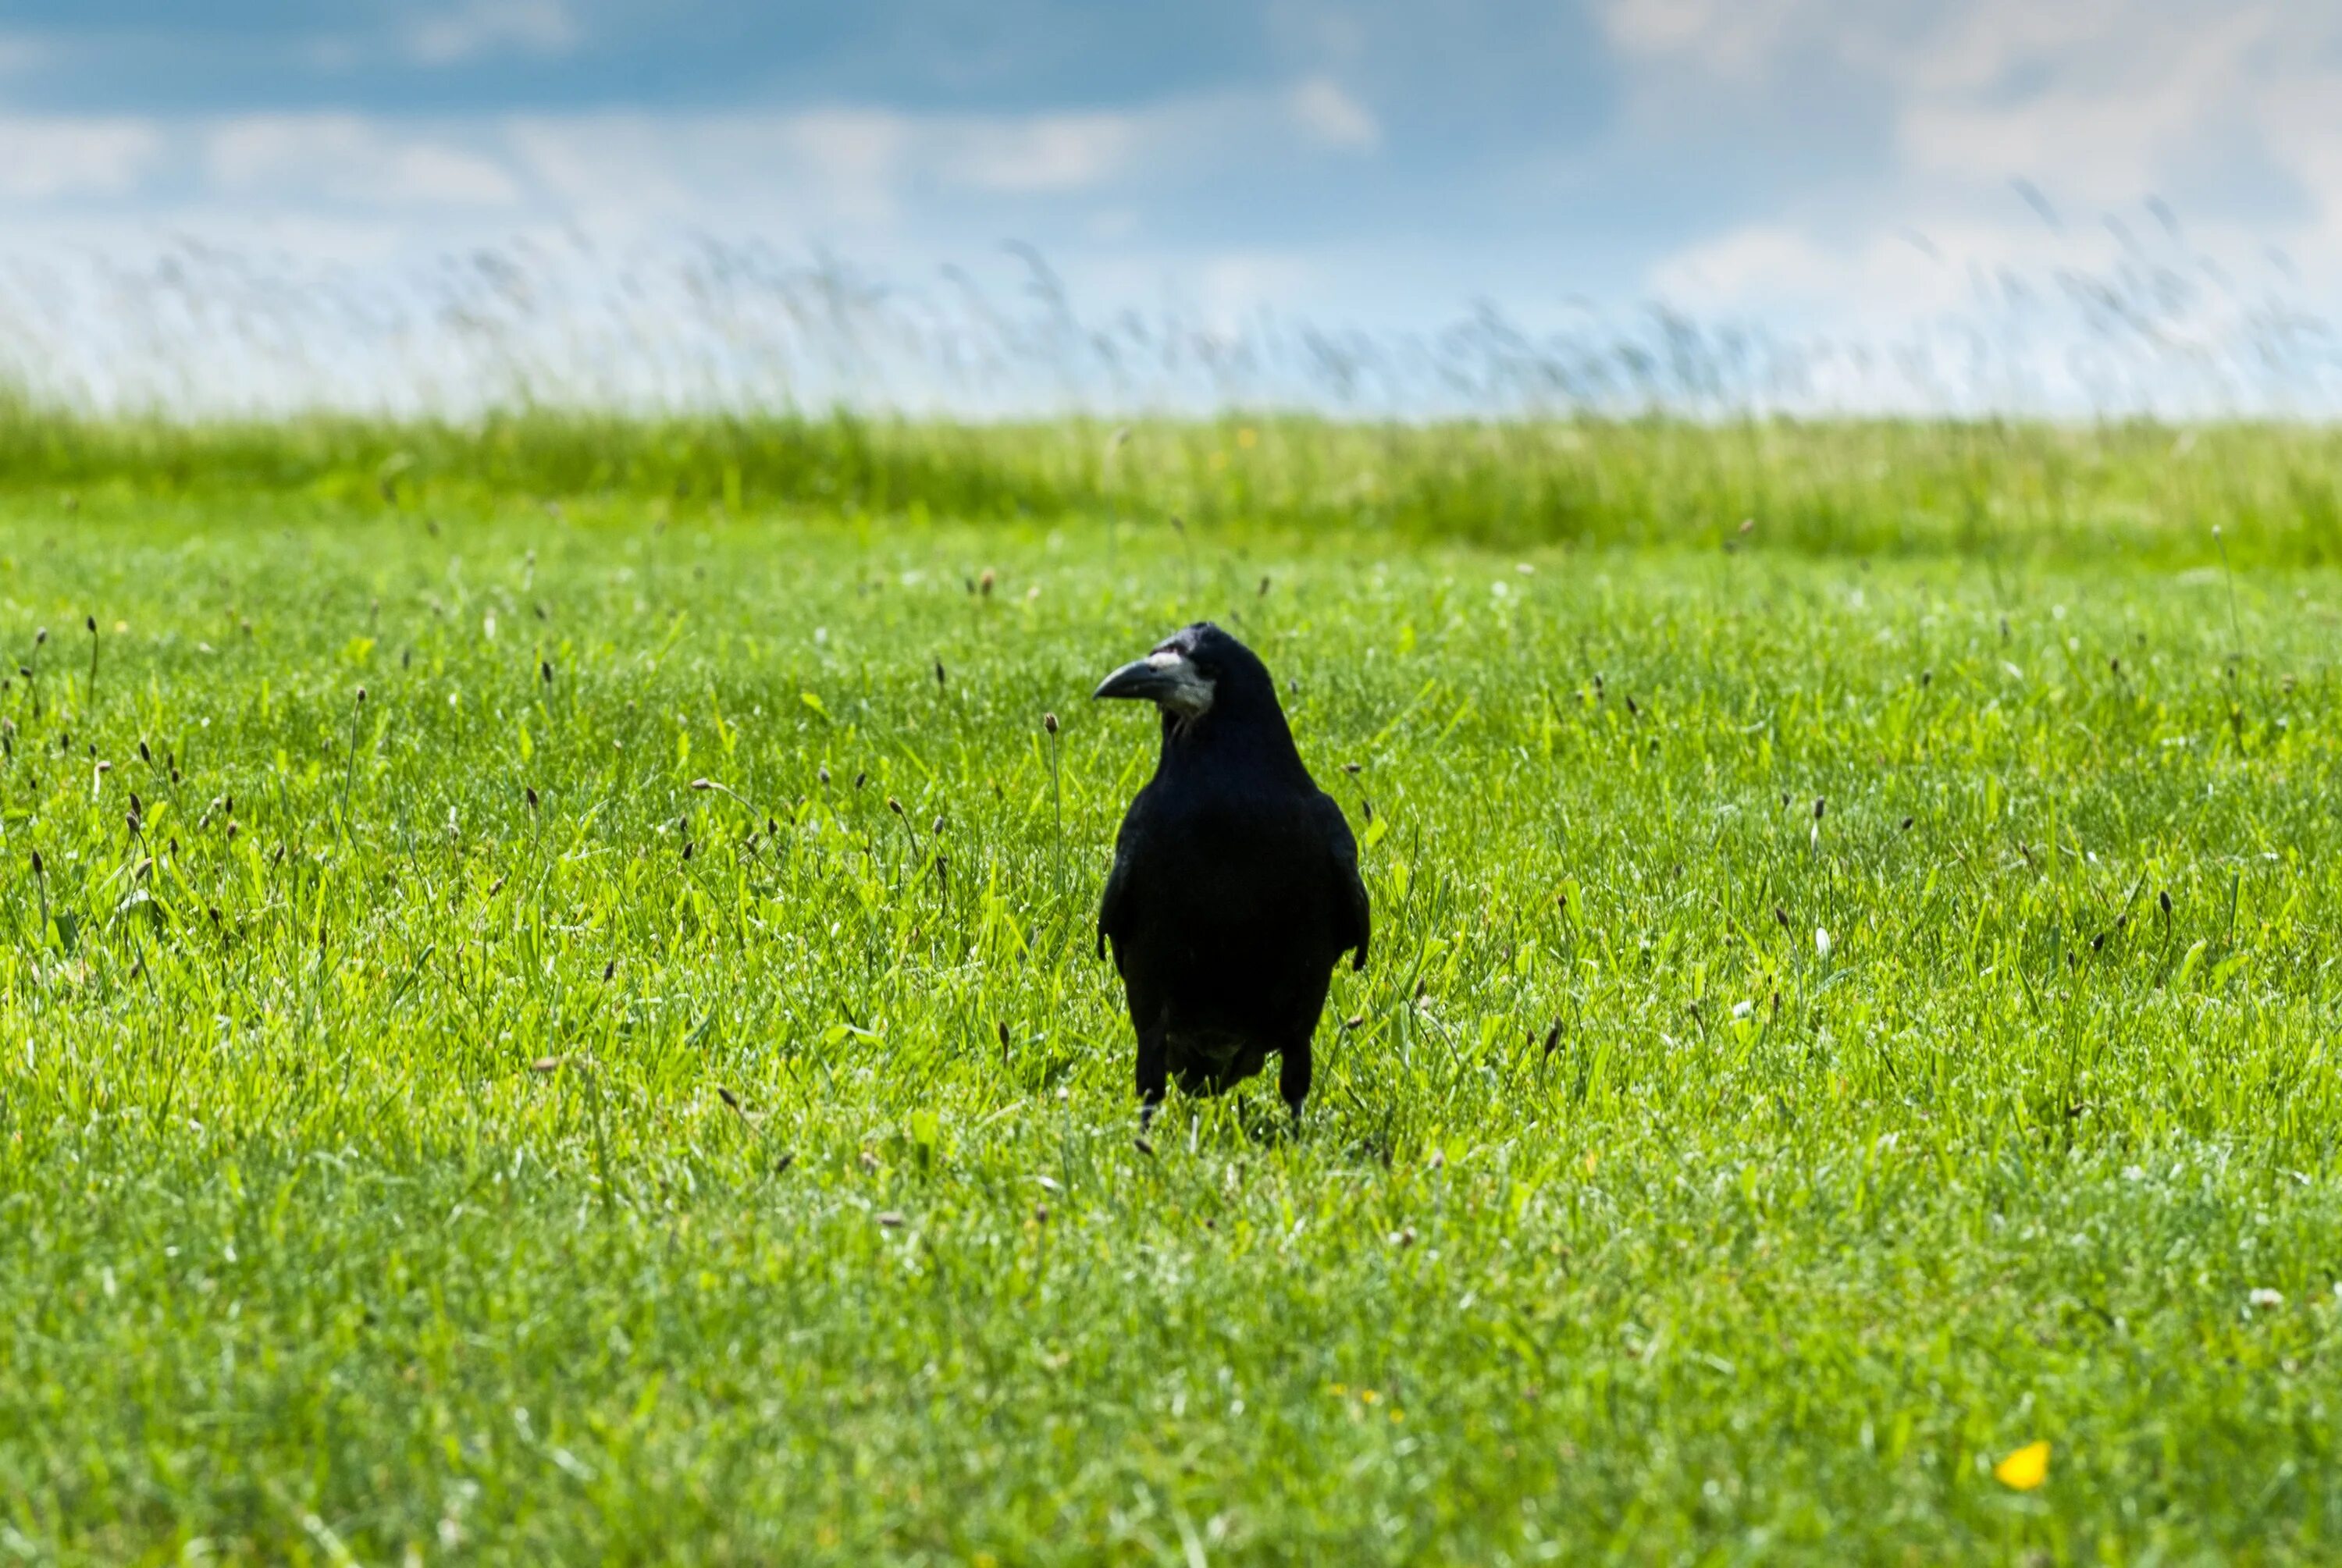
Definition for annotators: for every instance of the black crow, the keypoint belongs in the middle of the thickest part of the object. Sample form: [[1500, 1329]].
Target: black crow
[[1234, 888]]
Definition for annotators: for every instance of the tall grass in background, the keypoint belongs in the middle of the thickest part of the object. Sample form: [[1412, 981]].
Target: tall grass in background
[[2127, 408], [188, 330]]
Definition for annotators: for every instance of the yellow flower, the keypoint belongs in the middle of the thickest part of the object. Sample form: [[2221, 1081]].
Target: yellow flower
[[1245, 437], [2026, 1469]]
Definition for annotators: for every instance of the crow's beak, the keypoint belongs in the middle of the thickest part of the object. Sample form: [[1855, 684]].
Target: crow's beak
[[1168, 680], [1144, 679]]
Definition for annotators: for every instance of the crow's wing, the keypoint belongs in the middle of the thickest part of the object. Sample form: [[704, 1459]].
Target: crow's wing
[[1113, 909], [1353, 921]]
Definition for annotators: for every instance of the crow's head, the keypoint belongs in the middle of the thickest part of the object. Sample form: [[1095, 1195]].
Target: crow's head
[[1195, 672]]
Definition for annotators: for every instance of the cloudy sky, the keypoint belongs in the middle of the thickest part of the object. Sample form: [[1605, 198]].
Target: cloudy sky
[[1841, 164]]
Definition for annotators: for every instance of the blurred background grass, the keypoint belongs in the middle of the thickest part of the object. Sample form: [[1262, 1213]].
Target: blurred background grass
[[2078, 491]]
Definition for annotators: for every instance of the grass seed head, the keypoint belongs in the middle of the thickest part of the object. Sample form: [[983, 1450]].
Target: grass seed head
[[1049, 722]]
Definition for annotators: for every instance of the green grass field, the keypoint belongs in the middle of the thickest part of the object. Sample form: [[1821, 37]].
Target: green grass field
[[1842, 1008]]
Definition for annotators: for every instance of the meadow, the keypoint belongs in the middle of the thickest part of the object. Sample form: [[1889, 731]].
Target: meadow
[[550, 1011]]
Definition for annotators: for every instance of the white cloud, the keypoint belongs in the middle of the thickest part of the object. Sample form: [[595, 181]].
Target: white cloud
[[492, 26], [2103, 124], [2102, 104], [1732, 38], [49, 157], [855, 176], [824, 167], [288, 159], [1054, 153], [1333, 118]]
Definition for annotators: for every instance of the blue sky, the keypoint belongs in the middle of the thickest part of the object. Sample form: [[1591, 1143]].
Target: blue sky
[[1833, 165]]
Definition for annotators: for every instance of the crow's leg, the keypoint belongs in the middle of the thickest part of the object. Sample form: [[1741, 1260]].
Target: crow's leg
[[1292, 1076], [1152, 1074]]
